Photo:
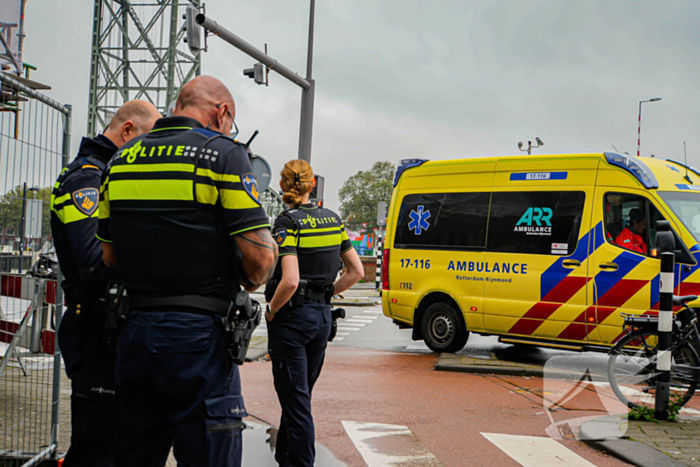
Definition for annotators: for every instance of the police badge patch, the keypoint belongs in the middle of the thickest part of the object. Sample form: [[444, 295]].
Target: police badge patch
[[250, 184], [280, 236], [86, 200]]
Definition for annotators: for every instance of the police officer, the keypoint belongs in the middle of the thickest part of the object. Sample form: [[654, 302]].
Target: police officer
[[176, 208], [89, 364], [311, 241]]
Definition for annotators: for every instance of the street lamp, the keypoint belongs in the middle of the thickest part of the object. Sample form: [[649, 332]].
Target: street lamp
[[21, 225], [639, 126]]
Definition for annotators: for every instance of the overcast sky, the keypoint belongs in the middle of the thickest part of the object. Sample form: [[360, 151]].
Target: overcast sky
[[441, 79]]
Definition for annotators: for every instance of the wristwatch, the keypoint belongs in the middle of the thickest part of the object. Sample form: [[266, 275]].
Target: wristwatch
[[268, 310]]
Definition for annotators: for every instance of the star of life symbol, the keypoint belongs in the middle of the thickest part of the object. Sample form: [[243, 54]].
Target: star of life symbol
[[419, 220]]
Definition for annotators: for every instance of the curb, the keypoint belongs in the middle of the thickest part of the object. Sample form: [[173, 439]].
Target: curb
[[456, 363], [607, 433], [353, 303], [254, 354]]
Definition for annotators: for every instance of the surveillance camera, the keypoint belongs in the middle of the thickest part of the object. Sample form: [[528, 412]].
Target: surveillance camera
[[520, 144], [539, 141]]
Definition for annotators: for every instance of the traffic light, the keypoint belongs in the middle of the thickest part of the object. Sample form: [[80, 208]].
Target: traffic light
[[194, 30], [257, 73], [316, 195]]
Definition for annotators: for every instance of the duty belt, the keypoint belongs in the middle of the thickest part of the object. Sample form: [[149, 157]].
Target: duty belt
[[315, 294], [216, 305]]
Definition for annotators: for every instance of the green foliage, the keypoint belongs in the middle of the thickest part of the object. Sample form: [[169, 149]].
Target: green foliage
[[674, 406], [11, 208], [361, 192], [642, 412]]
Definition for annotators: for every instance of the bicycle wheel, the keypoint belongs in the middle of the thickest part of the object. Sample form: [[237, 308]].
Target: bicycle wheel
[[632, 369]]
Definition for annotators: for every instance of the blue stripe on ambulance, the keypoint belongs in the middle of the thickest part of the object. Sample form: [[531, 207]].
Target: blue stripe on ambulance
[[606, 280], [556, 272]]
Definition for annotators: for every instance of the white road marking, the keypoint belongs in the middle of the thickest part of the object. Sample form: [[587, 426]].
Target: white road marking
[[534, 451], [383, 445], [374, 312], [336, 339], [356, 322], [347, 328], [646, 398], [342, 333]]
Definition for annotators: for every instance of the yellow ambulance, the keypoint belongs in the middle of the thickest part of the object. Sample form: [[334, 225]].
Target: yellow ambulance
[[545, 250]]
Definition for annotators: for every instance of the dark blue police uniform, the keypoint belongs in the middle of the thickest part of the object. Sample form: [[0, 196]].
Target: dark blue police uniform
[[89, 363], [170, 204], [298, 335]]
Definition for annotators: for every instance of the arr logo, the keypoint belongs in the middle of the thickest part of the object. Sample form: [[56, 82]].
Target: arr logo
[[540, 216]]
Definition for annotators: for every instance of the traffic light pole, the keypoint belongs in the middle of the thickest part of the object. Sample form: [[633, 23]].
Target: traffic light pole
[[307, 85]]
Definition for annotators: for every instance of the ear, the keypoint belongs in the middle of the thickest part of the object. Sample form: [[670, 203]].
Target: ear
[[281, 185], [128, 131]]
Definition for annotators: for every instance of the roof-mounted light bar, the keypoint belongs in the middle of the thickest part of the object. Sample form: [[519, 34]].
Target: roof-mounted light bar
[[692, 169], [635, 166], [407, 164]]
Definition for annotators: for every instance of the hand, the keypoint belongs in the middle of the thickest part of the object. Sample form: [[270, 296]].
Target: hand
[[269, 316]]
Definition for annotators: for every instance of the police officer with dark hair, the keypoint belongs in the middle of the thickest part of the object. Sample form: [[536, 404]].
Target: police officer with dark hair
[[312, 241], [181, 220], [89, 363]]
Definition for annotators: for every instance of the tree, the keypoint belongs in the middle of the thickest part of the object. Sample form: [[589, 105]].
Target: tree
[[11, 209], [361, 192]]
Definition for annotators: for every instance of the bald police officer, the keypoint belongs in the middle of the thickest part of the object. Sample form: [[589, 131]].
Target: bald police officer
[[175, 206], [89, 364]]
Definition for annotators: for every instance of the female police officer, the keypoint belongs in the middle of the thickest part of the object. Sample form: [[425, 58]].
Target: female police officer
[[311, 242]]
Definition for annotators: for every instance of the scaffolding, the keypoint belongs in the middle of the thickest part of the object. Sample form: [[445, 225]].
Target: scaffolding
[[137, 53]]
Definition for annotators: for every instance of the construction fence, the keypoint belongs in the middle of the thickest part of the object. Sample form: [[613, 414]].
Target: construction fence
[[35, 136]]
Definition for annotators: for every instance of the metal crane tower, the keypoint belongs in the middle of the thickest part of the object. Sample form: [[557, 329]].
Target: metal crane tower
[[137, 53]]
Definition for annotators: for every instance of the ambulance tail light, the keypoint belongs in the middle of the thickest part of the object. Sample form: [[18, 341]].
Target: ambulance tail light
[[385, 270]]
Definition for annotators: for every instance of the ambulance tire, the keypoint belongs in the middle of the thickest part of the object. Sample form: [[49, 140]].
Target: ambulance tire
[[443, 328]]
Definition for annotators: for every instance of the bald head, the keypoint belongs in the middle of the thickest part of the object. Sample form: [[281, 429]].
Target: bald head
[[131, 120], [207, 100]]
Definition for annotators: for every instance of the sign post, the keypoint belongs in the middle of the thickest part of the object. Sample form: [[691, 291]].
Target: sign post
[[663, 363], [381, 223]]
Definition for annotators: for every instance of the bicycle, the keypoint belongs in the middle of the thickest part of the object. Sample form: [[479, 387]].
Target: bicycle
[[632, 364]]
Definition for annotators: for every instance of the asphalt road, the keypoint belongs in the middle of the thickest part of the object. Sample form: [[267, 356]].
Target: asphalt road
[[380, 402]]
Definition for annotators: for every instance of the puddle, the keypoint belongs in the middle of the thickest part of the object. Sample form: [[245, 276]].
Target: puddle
[[259, 448]]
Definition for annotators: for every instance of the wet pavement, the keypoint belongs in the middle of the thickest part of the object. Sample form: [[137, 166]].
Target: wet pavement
[[259, 447]]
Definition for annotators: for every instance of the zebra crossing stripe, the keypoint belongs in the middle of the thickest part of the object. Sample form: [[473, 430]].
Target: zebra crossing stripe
[[535, 451], [383, 445]]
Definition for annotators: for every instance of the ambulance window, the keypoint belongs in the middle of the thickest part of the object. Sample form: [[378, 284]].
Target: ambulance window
[[546, 223], [627, 221], [450, 221]]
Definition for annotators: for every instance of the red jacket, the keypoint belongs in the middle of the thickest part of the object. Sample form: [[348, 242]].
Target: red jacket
[[631, 241]]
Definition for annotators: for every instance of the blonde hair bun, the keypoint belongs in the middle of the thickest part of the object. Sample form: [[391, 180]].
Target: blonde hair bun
[[297, 180]]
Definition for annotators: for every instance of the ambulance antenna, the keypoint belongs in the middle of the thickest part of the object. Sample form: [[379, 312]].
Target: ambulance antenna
[[686, 164], [615, 148], [247, 145]]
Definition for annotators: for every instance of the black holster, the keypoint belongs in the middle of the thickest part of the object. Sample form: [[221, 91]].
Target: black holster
[[116, 303], [336, 314], [243, 317]]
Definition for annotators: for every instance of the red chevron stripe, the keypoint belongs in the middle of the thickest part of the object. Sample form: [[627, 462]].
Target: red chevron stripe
[[559, 295], [576, 331], [566, 289], [621, 292], [542, 310], [525, 327]]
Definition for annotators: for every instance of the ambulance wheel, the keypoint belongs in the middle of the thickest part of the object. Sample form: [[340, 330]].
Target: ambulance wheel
[[442, 328]]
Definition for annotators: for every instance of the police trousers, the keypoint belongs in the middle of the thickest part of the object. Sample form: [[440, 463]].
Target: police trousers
[[298, 337], [177, 387], [90, 367]]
